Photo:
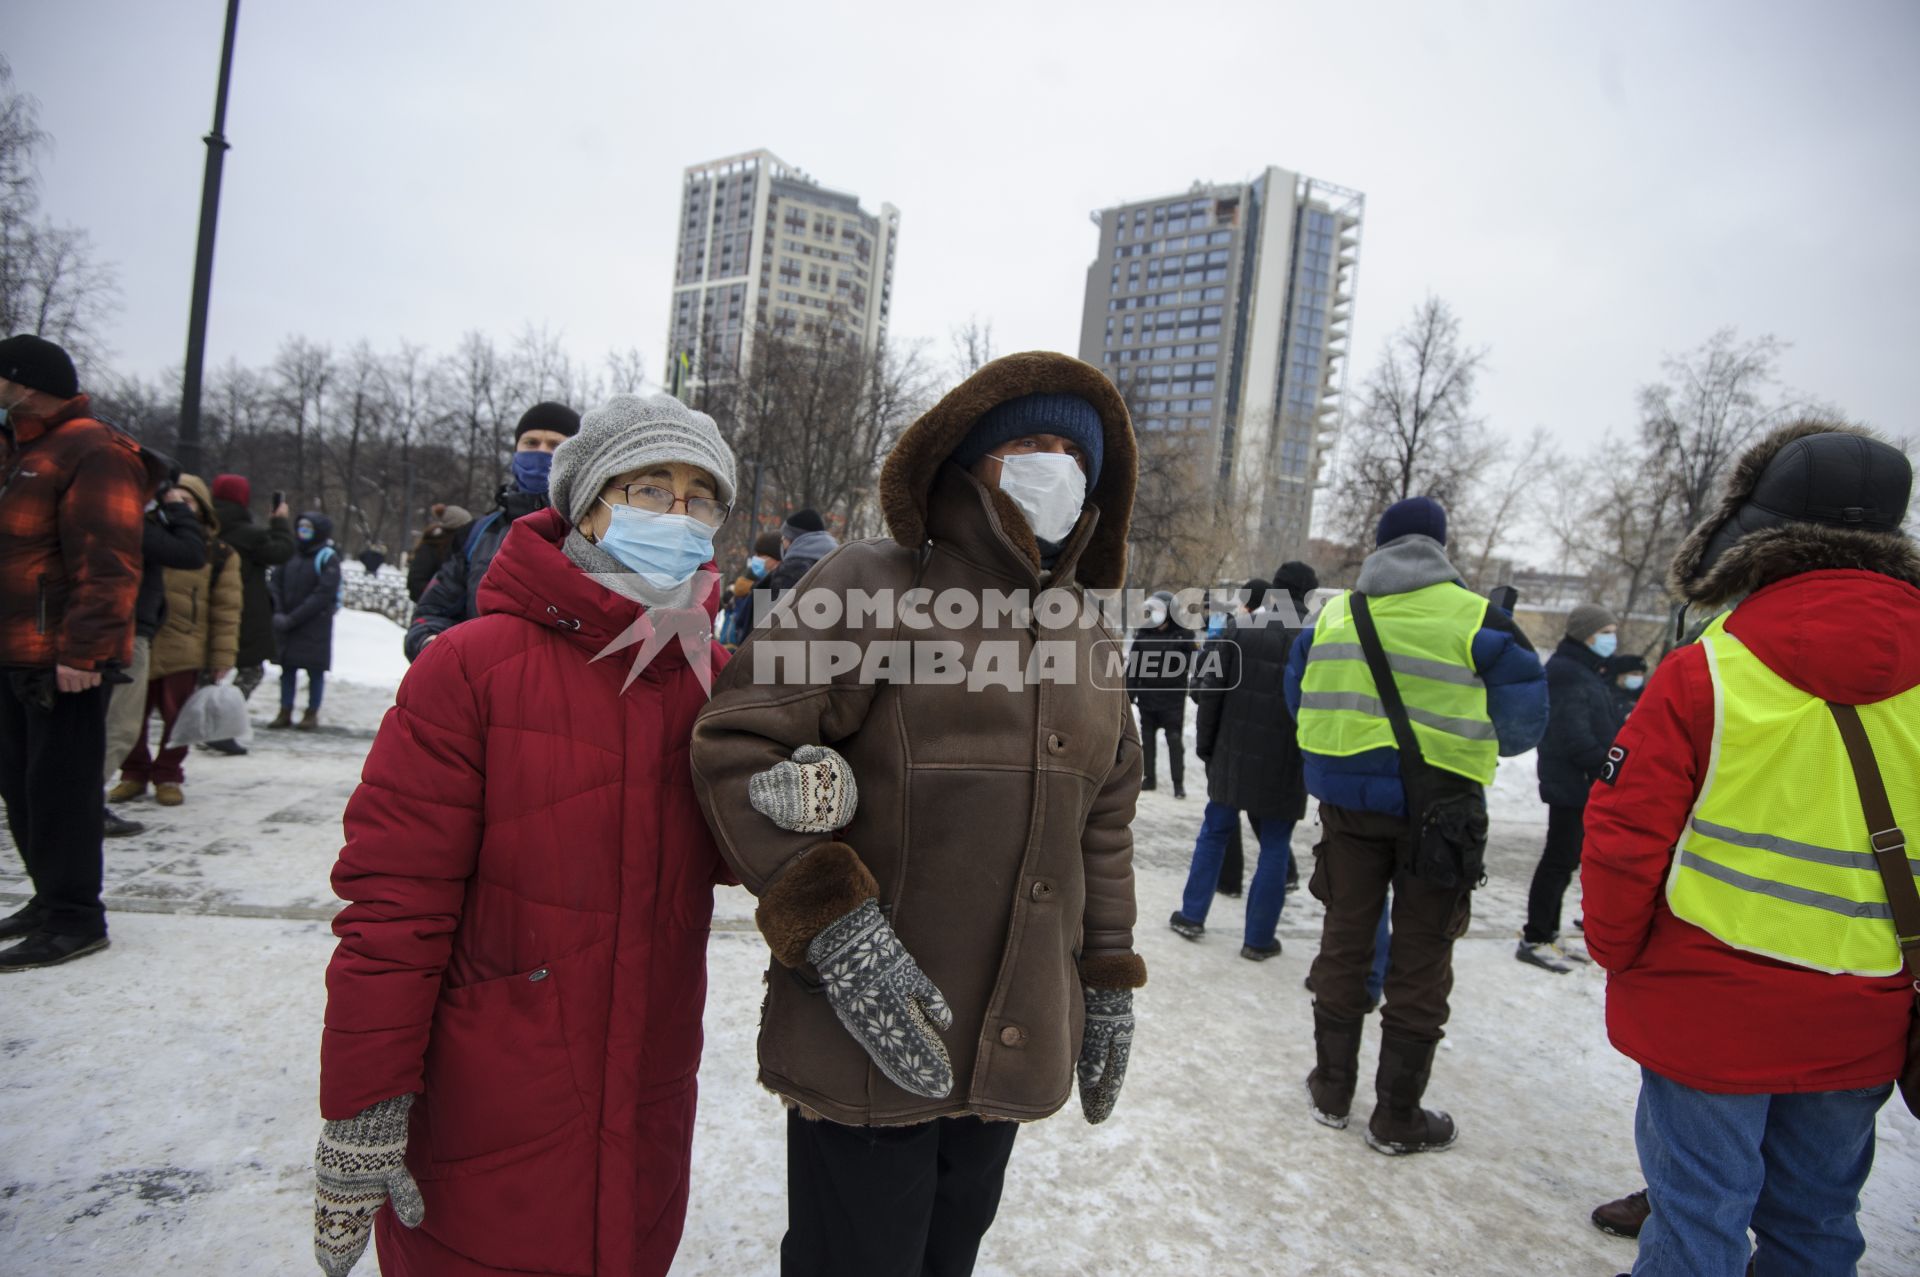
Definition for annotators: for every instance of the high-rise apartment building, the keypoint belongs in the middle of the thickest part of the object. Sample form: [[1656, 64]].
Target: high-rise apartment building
[[1222, 314], [763, 246]]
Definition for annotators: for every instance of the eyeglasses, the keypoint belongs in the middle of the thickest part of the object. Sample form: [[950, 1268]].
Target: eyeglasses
[[658, 500]]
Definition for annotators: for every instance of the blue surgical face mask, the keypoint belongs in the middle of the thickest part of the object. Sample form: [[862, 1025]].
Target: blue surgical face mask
[[530, 470], [1634, 682], [1604, 645], [304, 530], [665, 549], [757, 568]]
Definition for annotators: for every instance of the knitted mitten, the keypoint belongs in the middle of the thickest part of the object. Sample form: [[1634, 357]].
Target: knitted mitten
[[1105, 1044], [812, 794], [885, 1000], [358, 1165]]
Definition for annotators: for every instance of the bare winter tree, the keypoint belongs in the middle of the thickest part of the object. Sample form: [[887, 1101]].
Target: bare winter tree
[[51, 283], [626, 373], [303, 370], [972, 346], [1710, 406], [1414, 432]]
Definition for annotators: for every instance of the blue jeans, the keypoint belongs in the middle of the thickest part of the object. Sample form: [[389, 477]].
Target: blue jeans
[[1382, 946], [316, 686], [1268, 890], [1790, 1166]]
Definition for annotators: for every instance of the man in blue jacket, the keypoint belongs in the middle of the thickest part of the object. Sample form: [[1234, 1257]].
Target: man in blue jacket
[[1474, 689]]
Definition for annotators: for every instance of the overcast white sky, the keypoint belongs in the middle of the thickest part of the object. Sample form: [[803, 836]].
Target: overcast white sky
[[1591, 186]]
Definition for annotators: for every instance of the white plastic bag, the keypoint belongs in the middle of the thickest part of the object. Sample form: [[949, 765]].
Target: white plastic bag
[[216, 711]]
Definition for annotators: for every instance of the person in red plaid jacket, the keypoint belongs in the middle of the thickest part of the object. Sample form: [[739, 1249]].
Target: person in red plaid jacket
[[70, 509]]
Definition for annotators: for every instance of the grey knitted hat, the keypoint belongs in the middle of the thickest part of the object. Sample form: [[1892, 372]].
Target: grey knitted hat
[[628, 432], [1587, 620]]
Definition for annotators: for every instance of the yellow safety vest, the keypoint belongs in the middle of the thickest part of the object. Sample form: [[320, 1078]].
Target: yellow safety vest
[[1428, 638], [1775, 859]]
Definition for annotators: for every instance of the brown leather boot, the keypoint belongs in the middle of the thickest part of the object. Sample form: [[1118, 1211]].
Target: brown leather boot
[[283, 719], [1399, 1125], [1336, 1045], [1623, 1218], [309, 721]]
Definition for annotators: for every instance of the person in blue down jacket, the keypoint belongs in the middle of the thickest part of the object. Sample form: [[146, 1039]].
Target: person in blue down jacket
[[1363, 814]]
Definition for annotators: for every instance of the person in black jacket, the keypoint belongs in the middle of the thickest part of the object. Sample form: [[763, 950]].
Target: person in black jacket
[[443, 536], [171, 538], [259, 549], [306, 593], [1245, 736], [454, 593], [1581, 722], [1626, 677], [1158, 667]]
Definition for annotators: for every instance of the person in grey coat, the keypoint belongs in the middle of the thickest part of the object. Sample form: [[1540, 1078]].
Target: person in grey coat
[[306, 593]]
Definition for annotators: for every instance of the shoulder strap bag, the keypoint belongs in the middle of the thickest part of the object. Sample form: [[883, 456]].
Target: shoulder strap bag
[[1890, 854], [1446, 842]]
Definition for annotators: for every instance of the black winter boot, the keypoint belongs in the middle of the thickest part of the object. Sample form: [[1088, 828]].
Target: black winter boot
[[1336, 1045], [1399, 1125]]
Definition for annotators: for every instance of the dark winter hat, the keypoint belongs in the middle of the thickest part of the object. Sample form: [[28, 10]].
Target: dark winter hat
[[1298, 580], [767, 545], [1256, 591], [1587, 620], [1811, 495], [232, 487], [1068, 416], [38, 364], [801, 522], [1415, 515], [548, 416]]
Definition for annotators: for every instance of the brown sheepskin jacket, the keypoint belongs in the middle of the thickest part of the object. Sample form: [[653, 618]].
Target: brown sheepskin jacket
[[202, 629], [993, 825]]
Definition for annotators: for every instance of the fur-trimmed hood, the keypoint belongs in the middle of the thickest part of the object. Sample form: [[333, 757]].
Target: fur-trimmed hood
[[907, 478], [1722, 560]]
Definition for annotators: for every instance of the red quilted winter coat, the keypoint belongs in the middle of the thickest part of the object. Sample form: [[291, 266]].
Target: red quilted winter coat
[[529, 884], [1678, 1000]]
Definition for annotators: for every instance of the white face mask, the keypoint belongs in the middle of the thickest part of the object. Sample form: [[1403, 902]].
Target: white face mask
[[1156, 613], [1049, 488]]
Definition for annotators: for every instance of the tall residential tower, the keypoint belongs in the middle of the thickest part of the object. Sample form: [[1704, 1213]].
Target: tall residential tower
[[1222, 314], [762, 245]]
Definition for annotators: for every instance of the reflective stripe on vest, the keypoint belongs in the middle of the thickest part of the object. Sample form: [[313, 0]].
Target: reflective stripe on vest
[[1428, 636], [1775, 859]]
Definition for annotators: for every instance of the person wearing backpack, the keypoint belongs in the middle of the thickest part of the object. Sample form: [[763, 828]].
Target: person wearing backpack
[[453, 595], [1732, 888], [306, 594], [196, 643]]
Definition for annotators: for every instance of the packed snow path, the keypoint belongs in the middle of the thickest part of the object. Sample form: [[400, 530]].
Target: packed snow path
[[158, 1113]]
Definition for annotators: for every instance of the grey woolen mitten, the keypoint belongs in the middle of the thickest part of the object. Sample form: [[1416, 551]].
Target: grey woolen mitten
[[360, 1163], [811, 793], [1106, 1043], [885, 1000]]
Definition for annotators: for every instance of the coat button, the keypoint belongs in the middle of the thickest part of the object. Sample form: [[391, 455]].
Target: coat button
[[1012, 1036], [1042, 889], [1055, 745], [538, 976]]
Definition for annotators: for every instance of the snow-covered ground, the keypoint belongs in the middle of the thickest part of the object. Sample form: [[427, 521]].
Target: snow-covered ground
[[157, 1103]]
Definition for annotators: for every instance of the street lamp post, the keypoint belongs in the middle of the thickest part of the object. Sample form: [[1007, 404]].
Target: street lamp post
[[189, 443]]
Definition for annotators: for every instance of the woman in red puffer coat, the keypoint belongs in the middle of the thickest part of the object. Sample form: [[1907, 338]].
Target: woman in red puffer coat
[[514, 1009]]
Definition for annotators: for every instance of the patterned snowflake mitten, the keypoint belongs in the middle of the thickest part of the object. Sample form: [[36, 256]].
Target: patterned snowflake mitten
[[812, 793], [885, 1000], [1105, 1045], [359, 1164]]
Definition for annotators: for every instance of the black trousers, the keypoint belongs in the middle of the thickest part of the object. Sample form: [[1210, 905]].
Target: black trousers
[[891, 1201], [54, 807], [1352, 867], [1566, 830], [1174, 723]]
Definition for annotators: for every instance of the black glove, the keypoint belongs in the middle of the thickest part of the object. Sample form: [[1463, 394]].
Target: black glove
[[1106, 1043], [280, 622], [885, 1000]]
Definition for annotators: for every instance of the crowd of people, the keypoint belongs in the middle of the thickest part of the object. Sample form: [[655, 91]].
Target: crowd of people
[[943, 871]]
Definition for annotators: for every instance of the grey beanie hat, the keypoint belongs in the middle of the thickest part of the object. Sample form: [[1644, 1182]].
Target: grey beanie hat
[[628, 432], [1587, 620]]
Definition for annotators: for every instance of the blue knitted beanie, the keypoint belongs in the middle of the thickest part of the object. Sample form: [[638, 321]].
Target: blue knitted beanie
[[1068, 416], [1416, 514]]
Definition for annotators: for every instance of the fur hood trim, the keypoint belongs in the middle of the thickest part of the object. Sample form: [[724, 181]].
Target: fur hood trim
[[906, 480], [1764, 556]]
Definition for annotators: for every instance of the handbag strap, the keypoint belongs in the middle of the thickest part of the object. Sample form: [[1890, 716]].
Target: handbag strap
[[1884, 835], [1383, 681]]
